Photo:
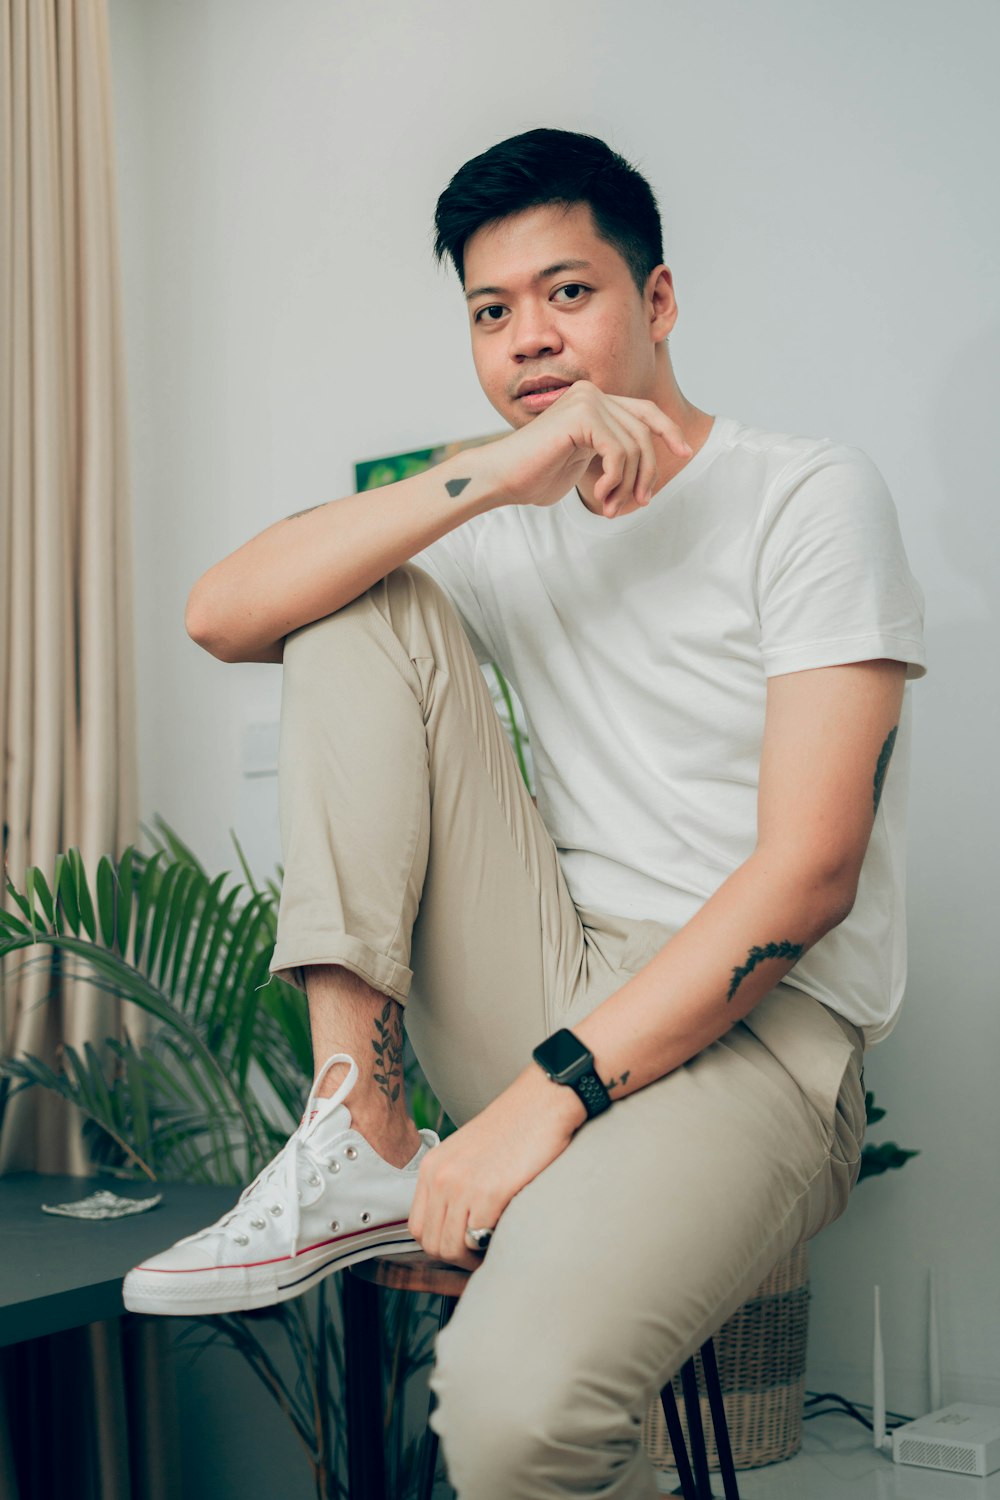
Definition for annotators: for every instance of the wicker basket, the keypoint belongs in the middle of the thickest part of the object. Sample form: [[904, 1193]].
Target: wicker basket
[[761, 1354]]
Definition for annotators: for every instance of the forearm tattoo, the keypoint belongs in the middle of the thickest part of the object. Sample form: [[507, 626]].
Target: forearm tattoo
[[389, 1050], [456, 486], [613, 1083], [304, 512], [882, 767], [756, 955]]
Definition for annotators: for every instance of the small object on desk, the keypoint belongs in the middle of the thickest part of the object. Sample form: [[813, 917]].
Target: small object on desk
[[102, 1205]]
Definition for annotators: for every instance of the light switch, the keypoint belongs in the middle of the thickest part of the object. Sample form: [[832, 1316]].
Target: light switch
[[260, 749]]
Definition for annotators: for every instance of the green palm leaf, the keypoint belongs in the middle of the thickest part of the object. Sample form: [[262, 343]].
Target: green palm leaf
[[123, 910], [106, 901], [82, 1084], [185, 982]]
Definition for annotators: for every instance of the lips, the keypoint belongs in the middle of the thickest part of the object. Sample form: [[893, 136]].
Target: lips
[[540, 387], [539, 400]]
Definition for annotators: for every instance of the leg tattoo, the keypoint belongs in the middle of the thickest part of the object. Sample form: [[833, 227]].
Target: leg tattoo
[[389, 1050]]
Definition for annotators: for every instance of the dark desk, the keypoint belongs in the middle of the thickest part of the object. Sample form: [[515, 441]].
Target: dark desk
[[58, 1273]]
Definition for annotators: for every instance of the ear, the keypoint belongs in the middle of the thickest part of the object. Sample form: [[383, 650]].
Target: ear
[[661, 302]]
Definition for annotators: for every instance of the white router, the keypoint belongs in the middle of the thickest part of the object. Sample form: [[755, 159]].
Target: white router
[[958, 1439]]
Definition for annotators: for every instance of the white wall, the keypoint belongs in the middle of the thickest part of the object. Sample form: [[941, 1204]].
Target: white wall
[[826, 189]]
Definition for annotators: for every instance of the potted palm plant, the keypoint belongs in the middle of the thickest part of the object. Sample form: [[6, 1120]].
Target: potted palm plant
[[210, 1097]]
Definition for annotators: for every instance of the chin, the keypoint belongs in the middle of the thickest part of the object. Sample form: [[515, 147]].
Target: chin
[[517, 415]]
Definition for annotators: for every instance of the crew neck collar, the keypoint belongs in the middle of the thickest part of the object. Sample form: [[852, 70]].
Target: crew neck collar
[[580, 515]]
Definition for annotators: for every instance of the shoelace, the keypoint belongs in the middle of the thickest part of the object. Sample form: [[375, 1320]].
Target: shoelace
[[284, 1166]]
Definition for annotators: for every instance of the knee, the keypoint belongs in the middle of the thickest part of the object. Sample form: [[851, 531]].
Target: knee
[[339, 634], [311, 642], [395, 591], [492, 1440], [510, 1427], [409, 585]]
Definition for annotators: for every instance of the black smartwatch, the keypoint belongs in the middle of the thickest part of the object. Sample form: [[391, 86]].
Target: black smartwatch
[[566, 1060]]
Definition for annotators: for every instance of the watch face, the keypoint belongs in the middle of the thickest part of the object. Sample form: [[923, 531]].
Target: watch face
[[563, 1053]]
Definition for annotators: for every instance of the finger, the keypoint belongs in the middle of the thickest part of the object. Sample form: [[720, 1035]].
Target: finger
[[418, 1210], [657, 421], [647, 473], [479, 1217], [469, 1260], [429, 1206], [457, 1220], [435, 1212], [619, 455], [472, 1256]]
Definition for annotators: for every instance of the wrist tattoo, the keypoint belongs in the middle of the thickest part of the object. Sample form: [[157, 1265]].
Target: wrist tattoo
[[614, 1082], [756, 955], [882, 767], [456, 486], [389, 1050]]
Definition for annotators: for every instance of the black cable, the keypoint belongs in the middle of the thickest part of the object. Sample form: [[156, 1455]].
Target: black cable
[[848, 1408]]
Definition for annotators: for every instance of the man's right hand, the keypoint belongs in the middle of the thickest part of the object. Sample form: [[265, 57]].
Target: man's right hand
[[541, 462]]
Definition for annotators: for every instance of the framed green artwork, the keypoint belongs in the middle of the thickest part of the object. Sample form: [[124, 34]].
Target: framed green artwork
[[372, 472]]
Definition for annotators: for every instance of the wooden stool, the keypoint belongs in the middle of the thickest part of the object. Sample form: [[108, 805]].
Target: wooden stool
[[419, 1273]]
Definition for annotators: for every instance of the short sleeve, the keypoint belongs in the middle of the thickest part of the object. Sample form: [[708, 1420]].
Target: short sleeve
[[451, 561], [832, 577]]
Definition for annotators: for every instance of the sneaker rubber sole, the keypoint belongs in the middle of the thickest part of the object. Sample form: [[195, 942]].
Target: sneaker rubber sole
[[262, 1283]]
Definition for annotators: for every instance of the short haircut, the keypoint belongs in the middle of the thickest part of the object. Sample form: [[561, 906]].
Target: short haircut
[[552, 166]]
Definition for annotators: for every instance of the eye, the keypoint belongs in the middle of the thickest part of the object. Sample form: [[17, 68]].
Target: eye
[[498, 307], [572, 286]]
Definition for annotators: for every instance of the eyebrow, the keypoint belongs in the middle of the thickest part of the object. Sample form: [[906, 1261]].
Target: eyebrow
[[560, 265]]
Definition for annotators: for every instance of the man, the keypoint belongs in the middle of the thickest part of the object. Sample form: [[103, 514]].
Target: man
[[644, 1002]]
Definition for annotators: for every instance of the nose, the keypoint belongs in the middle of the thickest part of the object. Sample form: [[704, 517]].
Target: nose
[[533, 334]]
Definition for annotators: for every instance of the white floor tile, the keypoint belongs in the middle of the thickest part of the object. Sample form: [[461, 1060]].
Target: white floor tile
[[838, 1462]]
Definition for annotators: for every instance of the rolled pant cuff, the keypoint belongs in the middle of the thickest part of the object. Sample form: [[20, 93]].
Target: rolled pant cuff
[[382, 973]]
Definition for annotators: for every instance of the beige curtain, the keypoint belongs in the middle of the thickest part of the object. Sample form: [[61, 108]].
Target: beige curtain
[[67, 710]]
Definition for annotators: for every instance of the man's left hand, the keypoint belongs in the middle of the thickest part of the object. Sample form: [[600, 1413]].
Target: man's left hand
[[473, 1174]]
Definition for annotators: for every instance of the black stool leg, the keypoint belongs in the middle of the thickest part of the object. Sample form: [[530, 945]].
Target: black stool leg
[[696, 1433], [713, 1388], [429, 1450], [681, 1461], [363, 1393]]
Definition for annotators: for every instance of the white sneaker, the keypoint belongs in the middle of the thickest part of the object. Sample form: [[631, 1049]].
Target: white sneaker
[[325, 1201]]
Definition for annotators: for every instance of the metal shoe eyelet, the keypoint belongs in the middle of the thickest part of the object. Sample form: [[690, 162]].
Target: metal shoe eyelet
[[259, 1223], [334, 1225], [334, 1166], [242, 1239], [276, 1208], [314, 1179], [351, 1153], [366, 1217]]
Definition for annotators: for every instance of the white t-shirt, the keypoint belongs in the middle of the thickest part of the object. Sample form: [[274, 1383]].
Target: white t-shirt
[[640, 648]]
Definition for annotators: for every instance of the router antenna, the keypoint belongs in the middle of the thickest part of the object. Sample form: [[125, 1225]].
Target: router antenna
[[933, 1349], [878, 1381]]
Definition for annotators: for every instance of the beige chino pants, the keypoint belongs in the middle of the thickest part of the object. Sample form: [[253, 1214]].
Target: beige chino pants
[[415, 857]]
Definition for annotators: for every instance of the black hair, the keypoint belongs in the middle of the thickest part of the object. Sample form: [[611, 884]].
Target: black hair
[[545, 166]]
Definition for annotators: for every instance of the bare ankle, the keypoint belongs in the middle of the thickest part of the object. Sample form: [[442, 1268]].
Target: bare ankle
[[347, 1015]]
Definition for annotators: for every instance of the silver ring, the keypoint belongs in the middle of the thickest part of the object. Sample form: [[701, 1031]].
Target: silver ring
[[482, 1237]]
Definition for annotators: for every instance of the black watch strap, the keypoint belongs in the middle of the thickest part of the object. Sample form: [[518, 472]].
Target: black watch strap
[[593, 1093], [570, 1063]]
